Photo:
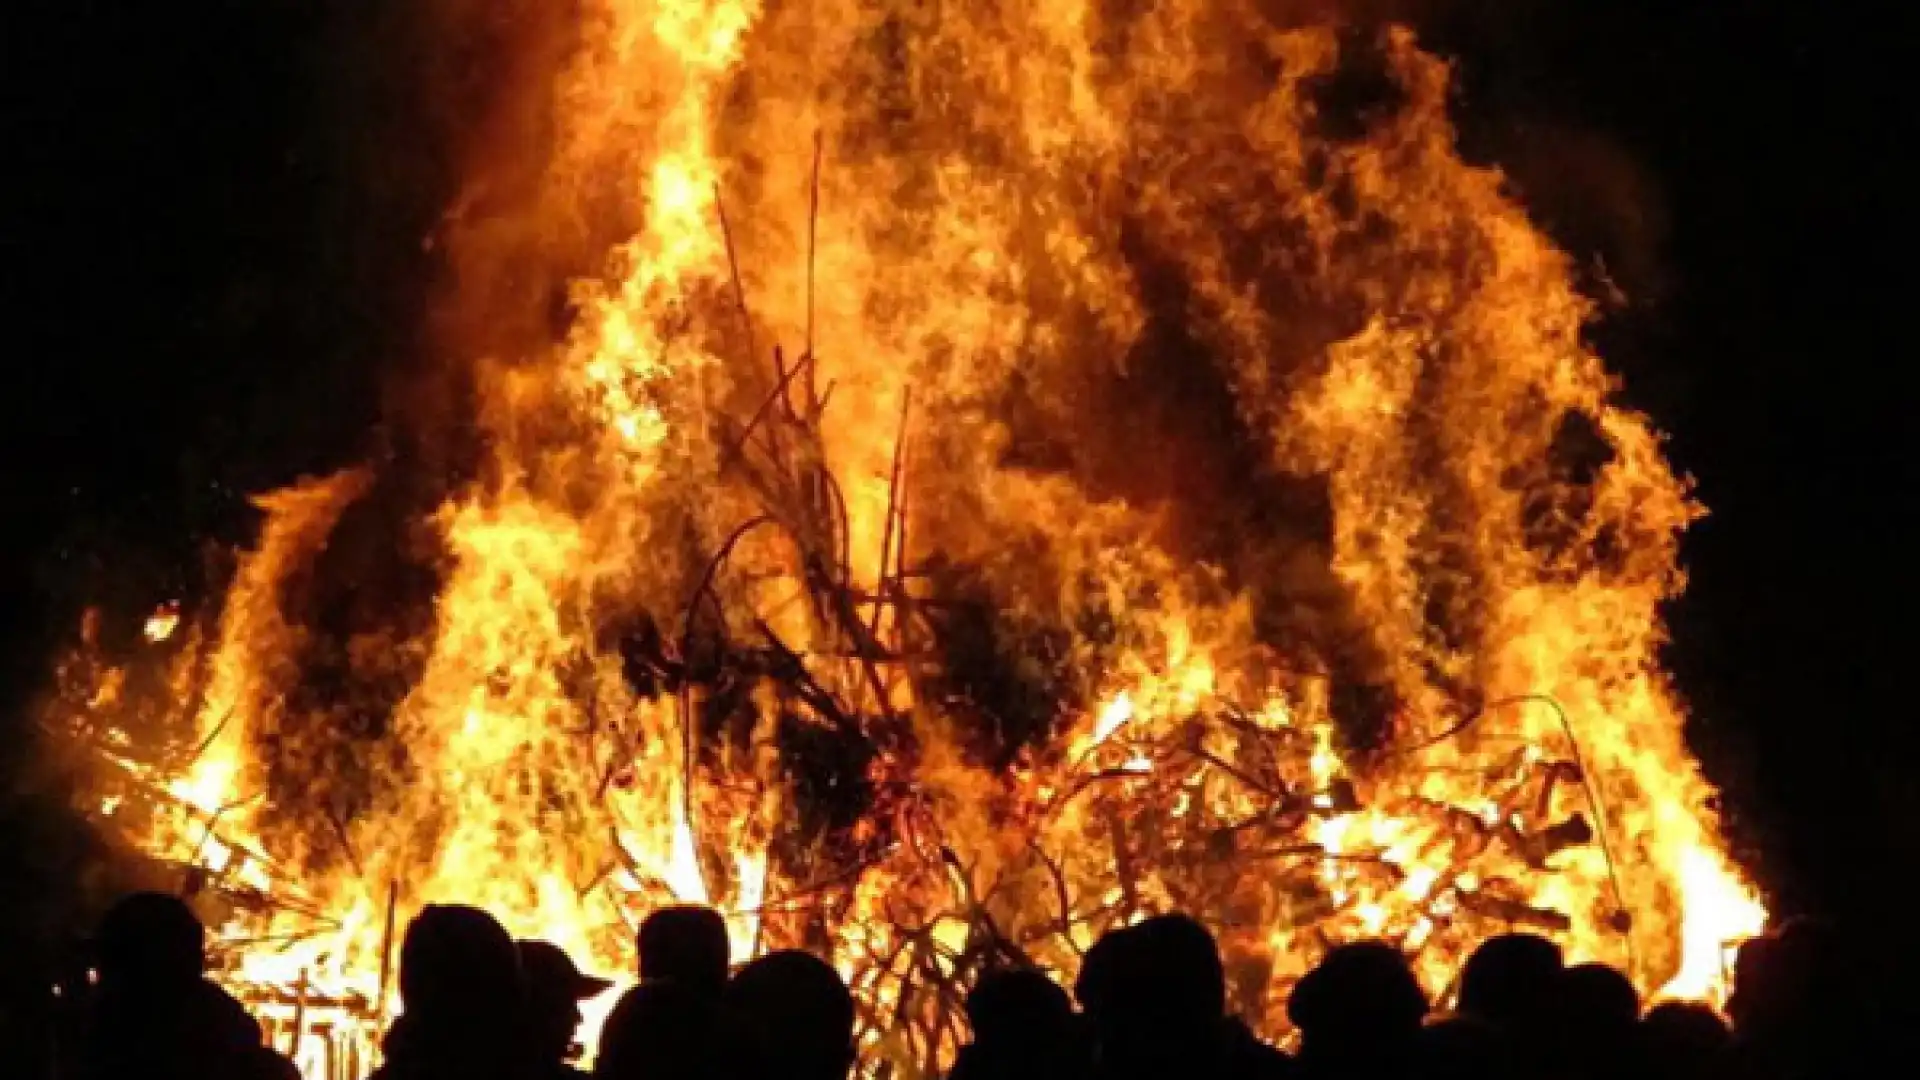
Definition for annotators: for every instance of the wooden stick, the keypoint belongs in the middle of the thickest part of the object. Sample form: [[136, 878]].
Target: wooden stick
[[893, 507], [299, 1017], [733, 265], [340, 834], [386, 949]]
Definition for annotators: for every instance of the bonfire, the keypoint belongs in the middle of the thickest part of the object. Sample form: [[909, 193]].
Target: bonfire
[[940, 485]]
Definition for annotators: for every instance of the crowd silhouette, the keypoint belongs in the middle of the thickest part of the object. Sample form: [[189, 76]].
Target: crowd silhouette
[[1150, 1002]]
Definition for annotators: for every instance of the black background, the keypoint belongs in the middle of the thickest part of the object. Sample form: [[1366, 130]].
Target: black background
[[211, 253]]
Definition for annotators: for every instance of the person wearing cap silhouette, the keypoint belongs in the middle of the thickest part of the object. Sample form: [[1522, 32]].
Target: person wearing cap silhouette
[[555, 989]]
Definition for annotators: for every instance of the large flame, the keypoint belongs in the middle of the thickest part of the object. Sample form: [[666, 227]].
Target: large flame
[[1173, 447]]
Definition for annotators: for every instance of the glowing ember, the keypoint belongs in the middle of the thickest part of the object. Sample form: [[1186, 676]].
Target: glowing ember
[[163, 622], [1181, 485]]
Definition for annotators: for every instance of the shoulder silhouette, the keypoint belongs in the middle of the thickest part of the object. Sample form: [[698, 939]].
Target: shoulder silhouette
[[669, 1031], [1461, 1048]]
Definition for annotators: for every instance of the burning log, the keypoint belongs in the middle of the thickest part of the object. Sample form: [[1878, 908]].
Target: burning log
[[1183, 810], [1514, 912]]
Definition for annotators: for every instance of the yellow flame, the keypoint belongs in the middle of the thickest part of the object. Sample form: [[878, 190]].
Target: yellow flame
[[976, 275], [1113, 715], [683, 870], [1719, 912]]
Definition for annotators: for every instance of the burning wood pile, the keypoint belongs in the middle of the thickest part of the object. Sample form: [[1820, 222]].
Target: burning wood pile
[[258, 901], [1190, 491]]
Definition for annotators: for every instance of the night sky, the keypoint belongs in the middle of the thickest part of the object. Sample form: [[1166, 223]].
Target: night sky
[[210, 266]]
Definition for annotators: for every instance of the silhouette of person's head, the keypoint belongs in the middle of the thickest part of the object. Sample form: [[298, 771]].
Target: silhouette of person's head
[[665, 1030], [1155, 994], [801, 1012], [1594, 1015], [1803, 989], [1681, 1040], [1757, 994], [157, 1015], [459, 962], [150, 941], [1791, 977], [1361, 1005], [1018, 1007], [1510, 981], [688, 944], [555, 989], [1023, 1026], [1600, 997], [1099, 968], [1180, 974]]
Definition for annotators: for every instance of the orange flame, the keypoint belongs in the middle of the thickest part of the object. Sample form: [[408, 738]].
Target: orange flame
[[1034, 230]]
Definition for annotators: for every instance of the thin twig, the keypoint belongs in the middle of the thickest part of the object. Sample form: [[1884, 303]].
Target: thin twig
[[733, 267], [346, 845], [1060, 893], [894, 506], [206, 743], [386, 946], [786, 377]]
